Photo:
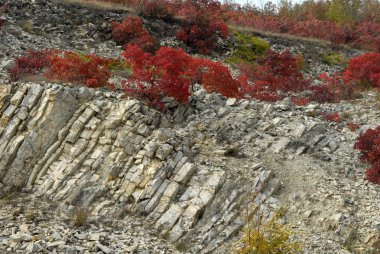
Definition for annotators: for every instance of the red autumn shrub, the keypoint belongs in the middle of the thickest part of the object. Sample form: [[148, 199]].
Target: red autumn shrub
[[300, 101], [146, 42], [369, 146], [68, 66], [335, 88], [367, 35], [171, 72], [160, 9], [214, 77], [131, 31], [128, 30], [353, 126], [365, 69], [89, 70], [202, 25], [332, 117], [373, 174], [319, 29], [33, 62], [159, 75], [321, 94], [275, 77]]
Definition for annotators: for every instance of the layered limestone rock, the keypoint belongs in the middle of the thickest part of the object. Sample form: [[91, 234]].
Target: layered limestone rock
[[113, 156]]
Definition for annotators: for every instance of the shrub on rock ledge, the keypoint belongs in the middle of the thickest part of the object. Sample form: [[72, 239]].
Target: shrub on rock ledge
[[369, 146], [89, 70], [202, 25], [131, 31], [275, 77], [172, 72]]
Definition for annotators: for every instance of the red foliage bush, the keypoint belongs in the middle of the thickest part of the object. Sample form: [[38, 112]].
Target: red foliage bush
[[160, 9], [300, 101], [335, 88], [275, 77], [131, 31], [202, 25], [146, 42], [367, 35], [214, 77], [364, 69], [89, 70], [373, 174], [68, 66], [159, 75], [33, 62], [353, 126], [321, 94], [319, 29], [332, 117], [127, 30], [369, 146], [171, 72]]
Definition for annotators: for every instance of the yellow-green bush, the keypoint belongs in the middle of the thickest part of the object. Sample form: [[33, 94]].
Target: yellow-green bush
[[268, 238], [334, 58], [247, 49]]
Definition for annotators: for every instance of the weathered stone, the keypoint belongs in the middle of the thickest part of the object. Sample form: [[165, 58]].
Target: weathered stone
[[280, 145], [184, 174], [163, 151], [170, 217], [231, 102]]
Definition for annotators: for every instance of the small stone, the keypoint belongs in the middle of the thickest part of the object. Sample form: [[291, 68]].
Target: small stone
[[94, 237], [185, 173], [231, 102], [223, 112], [163, 151], [55, 244], [103, 248], [280, 145], [80, 236], [21, 237]]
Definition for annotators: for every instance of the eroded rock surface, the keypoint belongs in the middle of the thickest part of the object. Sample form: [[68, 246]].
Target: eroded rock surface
[[190, 179]]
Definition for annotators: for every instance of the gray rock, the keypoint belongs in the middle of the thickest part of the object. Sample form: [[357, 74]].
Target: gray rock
[[163, 151]]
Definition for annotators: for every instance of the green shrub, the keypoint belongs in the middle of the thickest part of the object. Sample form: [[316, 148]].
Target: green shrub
[[268, 237], [334, 58], [247, 49]]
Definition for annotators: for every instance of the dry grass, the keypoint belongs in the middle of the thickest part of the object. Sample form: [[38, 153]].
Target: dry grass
[[98, 4], [279, 35]]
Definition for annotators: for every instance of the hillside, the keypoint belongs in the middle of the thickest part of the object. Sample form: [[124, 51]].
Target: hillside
[[95, 170]]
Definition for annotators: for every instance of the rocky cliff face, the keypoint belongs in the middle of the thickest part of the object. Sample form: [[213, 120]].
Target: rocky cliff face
[[163, 182], [189, 172]]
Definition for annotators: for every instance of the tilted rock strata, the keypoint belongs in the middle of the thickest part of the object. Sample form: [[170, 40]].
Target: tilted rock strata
[[109, 154]]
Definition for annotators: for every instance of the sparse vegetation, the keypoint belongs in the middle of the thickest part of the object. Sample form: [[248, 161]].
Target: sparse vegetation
[[368, 145], [262, 237], [80, 217], [248, 48], [3, 8], [334, 58]]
